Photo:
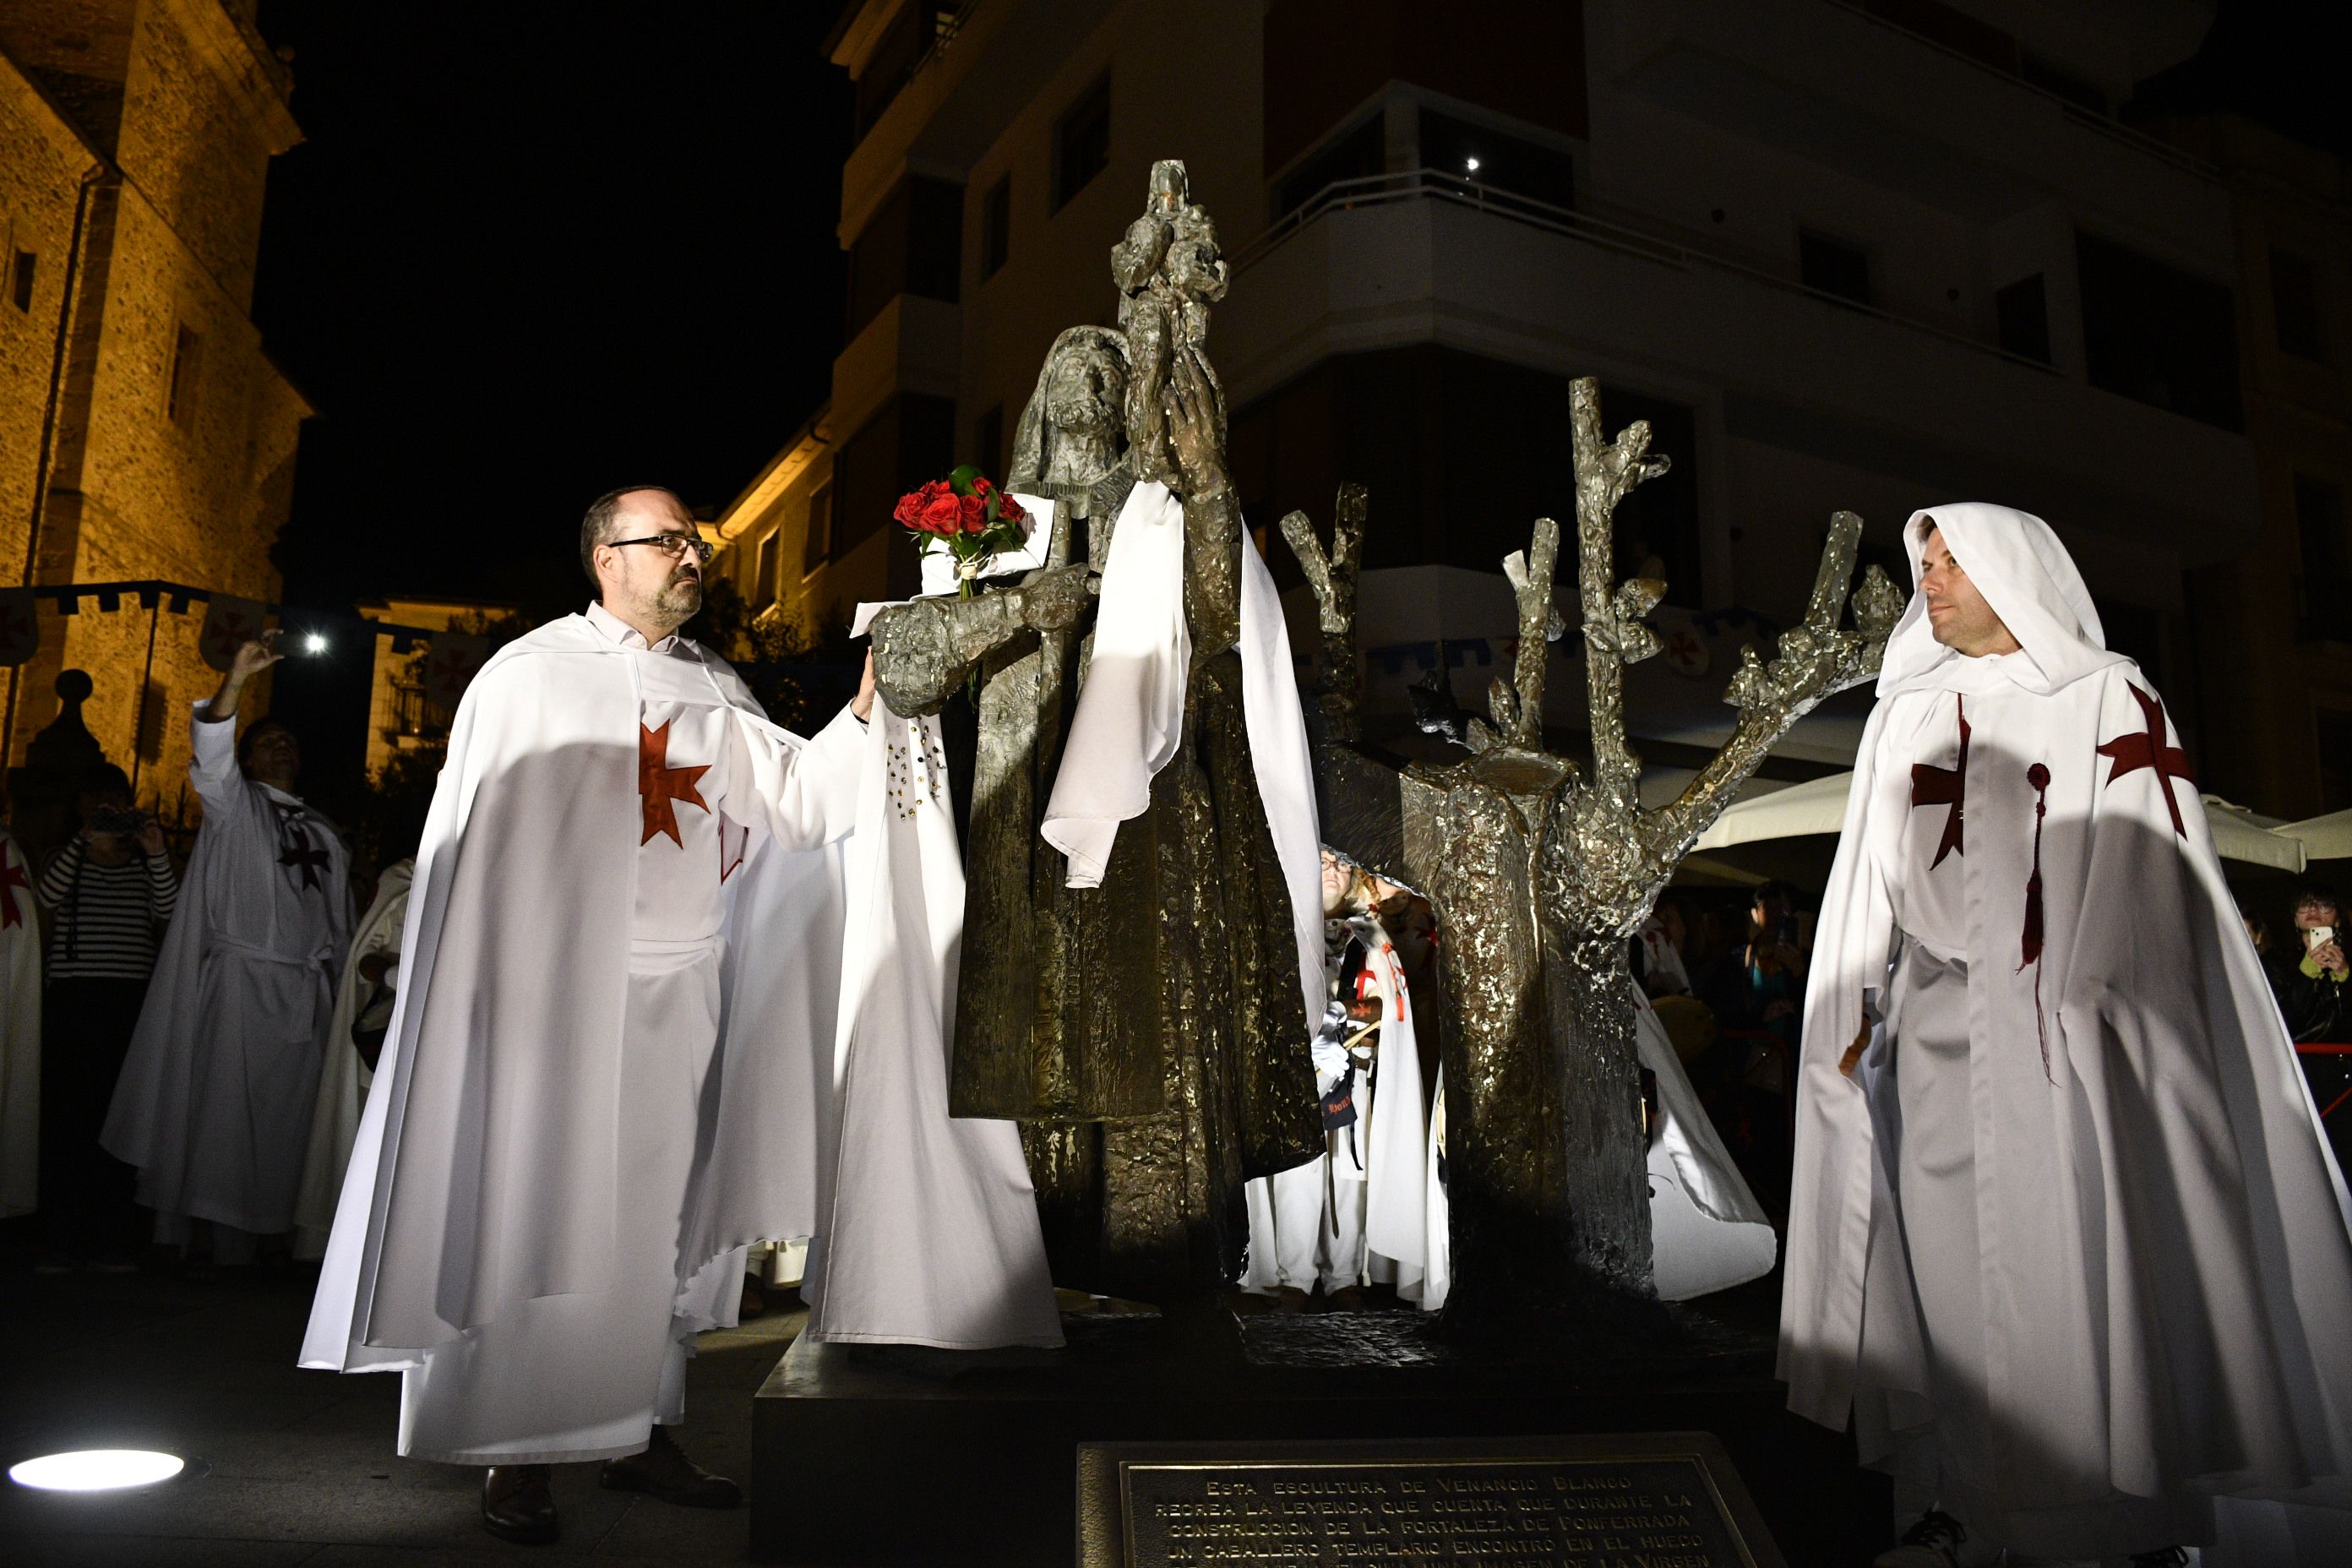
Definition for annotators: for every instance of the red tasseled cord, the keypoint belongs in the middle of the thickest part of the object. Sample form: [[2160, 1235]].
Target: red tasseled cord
[[2039, 777]]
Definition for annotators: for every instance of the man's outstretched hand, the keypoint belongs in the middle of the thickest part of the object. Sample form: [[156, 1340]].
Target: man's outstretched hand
[[252, 657], [863, 703]]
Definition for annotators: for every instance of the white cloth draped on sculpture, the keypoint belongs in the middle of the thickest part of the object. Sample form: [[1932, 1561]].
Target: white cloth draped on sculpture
[[1130, 715], [343, 1077], [926, 1230]]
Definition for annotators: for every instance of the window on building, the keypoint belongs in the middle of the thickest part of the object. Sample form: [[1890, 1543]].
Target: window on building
[[20, 279], [910, 440], [816, 548], [1082, 141], [987, 443], [2295, 305], [913, 34], [996, 227], [912, 244], [1438, 434], [763, 573], [2022, 310], [1834, 267], [2158, 334], [1495, 159], [2324, 590], [1355, 155], [180, 388]]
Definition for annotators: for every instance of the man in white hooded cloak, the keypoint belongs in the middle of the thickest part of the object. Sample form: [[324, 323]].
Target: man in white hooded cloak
[[2065, 1240]]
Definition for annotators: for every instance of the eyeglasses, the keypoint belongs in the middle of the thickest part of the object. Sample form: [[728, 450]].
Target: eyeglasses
[[674, 545]]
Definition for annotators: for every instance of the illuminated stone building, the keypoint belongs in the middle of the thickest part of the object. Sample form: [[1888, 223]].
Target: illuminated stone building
[[144, 431]]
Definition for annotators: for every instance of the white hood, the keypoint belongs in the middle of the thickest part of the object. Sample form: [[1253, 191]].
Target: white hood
[[2025, 575]]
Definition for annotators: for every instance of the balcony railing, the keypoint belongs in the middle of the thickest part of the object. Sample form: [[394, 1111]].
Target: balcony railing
[[1622, 237], [2090, 120]]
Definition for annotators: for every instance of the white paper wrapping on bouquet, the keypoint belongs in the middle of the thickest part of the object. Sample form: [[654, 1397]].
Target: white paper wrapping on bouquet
[[939, 575]]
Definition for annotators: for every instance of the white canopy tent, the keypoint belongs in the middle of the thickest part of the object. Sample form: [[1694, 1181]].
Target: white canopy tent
[[2325, 837], [1818, 805]]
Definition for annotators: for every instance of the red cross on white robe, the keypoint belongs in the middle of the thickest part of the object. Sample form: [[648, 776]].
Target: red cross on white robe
[[1933, 785], [2130, 753], [659, 785]]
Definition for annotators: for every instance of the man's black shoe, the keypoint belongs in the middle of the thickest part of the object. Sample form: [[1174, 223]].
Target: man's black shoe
[[517, 1505]]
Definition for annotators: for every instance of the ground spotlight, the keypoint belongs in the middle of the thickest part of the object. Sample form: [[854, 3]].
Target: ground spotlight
[[96, 1470]]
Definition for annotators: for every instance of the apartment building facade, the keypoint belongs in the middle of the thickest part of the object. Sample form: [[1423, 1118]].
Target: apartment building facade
[[1840, 255]]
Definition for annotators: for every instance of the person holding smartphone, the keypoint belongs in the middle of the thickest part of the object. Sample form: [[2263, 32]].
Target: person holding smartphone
[[2313, 981]]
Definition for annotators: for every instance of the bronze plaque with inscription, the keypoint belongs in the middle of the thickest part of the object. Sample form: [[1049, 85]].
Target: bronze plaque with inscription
[[1633, 1500]]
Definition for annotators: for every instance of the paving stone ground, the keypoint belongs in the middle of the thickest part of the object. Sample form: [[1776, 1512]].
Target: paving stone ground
[[298, 1466]]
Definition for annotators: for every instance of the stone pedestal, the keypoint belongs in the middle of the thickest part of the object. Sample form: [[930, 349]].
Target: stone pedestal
[[898, 1455]]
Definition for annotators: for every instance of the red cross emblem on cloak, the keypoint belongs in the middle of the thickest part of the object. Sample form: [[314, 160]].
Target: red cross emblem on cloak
[[1945, 786], [2128, 753], [659, 785], [12, 876]]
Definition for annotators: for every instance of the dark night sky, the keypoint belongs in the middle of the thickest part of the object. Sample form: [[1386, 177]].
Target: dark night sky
[[529, 252], [525, 254]]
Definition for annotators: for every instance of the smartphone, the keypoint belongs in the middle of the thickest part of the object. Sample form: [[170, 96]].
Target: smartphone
[[2318, 937]]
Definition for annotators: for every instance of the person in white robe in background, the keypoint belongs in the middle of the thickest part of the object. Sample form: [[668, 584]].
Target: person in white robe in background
[[362, 996], [564, 1152], [1363, 1212], [2066, 1243], [20, 1034], [214, 1104]]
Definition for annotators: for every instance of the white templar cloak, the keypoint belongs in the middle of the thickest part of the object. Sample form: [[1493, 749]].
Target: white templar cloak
[[214, 1103], [514, 963], [20, 1032], [344, 1078], [2160, 1260]]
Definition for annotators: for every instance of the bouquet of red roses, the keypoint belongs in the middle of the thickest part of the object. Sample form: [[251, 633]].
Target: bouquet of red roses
[[967, 515]]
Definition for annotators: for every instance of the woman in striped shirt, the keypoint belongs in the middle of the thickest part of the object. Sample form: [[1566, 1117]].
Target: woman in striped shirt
[[110, 892]]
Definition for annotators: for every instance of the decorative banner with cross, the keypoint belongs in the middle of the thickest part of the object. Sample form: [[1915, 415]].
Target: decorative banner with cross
[[229, 623]]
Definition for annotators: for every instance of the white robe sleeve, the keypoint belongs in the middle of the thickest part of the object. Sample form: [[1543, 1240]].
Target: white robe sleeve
[[804, 793], [212, 766]]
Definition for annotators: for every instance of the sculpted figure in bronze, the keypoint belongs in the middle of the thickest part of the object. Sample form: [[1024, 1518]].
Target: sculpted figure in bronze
[[1150, 1031]]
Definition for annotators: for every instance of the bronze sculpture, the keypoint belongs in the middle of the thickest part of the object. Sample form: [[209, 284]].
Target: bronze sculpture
[[1150, 1032], [1540, 873]]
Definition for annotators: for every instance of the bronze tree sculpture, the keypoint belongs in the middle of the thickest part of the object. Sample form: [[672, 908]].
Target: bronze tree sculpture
[[1540, 870]]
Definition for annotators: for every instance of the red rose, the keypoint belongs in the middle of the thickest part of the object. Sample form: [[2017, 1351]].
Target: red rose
[[910, 507], [974, 513], [1010, 511], [942, 510]]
